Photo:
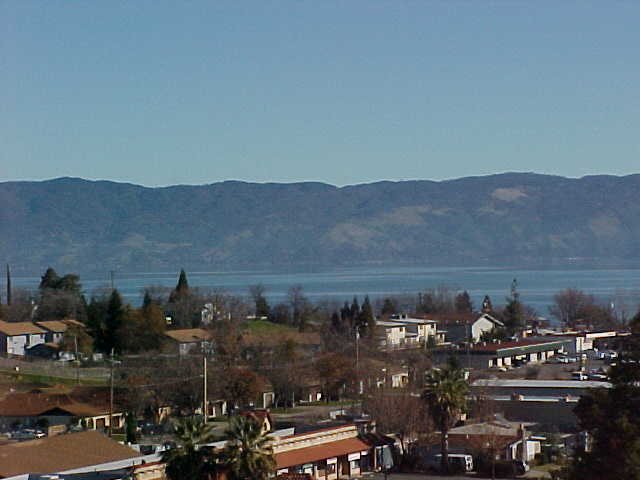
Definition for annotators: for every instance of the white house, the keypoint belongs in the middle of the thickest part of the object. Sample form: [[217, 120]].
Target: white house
[[15, 337]]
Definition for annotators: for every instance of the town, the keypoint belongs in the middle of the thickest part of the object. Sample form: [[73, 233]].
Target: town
[[202, 384]]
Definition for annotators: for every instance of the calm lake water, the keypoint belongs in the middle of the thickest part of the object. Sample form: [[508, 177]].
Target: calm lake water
[[536, 285]]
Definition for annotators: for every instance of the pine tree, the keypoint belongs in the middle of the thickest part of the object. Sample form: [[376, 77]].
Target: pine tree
[[366, 318], [355, 310], [513, 314], [389, 307], [114, 319], [463, 303], [50, 279], [182, 288]]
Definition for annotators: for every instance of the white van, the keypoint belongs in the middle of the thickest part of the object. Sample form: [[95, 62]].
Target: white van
[[460, 462]]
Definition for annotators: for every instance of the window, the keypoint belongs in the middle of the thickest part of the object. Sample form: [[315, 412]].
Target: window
[[331, 468]]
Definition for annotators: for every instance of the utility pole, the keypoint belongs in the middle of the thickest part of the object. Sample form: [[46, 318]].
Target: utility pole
[[113, 283], [8, 285], [111, 397], [204, 398], [75, 341]]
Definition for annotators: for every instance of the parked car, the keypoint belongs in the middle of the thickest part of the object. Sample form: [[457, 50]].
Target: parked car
[[579, 376]]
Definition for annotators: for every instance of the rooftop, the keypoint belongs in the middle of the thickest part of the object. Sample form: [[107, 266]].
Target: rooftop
[[494, 347], [33, 404], [19, 328], [540, 383], [302, 456], [188, 335], [60, 453], [54, 325]]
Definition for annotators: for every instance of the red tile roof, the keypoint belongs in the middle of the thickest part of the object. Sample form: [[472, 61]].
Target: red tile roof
[[323, 451]]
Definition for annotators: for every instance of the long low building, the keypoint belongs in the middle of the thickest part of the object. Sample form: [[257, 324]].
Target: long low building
[[535, 388], [331, 453], [500, 354]]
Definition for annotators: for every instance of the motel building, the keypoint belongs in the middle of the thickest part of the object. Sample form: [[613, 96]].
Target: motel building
[[504, 354], [331, 453]]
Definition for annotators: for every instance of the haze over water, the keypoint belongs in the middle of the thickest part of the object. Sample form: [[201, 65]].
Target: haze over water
[[537, 286]]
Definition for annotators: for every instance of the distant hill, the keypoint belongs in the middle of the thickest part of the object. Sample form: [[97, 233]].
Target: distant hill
[[79, 225]]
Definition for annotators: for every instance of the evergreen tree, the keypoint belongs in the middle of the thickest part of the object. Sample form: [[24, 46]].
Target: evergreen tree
[[345, 315], [513, 314], [182, 288], [464, 303], [610, 416], [50, 279], [114, 318], [389, 307], [147, 300], [354, 310], [366, 318], [336, 323]]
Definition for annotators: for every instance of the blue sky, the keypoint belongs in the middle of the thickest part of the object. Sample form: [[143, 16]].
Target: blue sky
[[165, 92]]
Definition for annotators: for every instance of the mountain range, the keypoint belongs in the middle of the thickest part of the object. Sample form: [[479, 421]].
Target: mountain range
[[77, 225]]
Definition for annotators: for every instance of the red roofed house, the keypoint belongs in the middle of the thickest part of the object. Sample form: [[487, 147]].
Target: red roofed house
[[58, 409]]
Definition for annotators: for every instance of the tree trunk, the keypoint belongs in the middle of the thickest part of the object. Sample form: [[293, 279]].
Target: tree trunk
[[444, 449]]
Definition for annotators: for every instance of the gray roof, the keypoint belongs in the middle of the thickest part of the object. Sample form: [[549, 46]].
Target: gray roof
[[540, 383]]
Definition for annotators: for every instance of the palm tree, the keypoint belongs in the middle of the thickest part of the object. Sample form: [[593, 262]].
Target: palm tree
[[445, 395], [188, 460], [248, 454]]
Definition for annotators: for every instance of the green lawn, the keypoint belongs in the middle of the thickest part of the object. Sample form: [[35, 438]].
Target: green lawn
[[264, 326]]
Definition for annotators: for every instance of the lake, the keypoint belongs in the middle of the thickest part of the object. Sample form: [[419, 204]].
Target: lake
[[621, 285]]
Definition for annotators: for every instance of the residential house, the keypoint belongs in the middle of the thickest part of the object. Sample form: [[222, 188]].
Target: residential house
[[402, 331], [423, 328], [54, 330], [262, 417], [509, 440], [55, 410], [80, 452], [462, 327], [189, 340], [16, 337]]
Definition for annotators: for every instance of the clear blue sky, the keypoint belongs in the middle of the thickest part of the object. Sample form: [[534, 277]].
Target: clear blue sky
[[165, 92]]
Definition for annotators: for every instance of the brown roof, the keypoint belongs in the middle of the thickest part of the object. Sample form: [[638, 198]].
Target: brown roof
[[61, 452], [19, 328], [301, 456], [33, 404], [188, 335], [73, 322], [54, 325]]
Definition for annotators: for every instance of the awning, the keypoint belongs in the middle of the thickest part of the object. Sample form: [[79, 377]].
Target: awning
[[323, 451]]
